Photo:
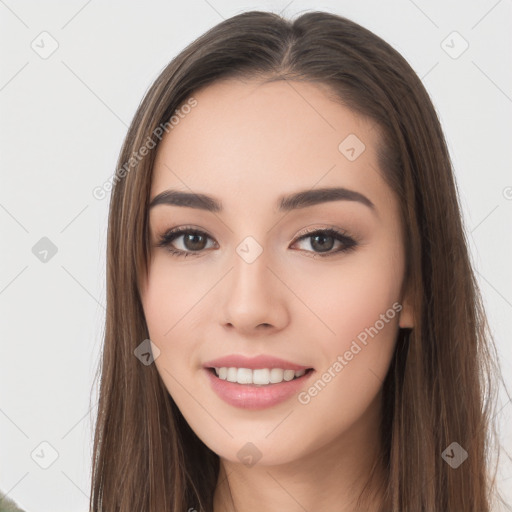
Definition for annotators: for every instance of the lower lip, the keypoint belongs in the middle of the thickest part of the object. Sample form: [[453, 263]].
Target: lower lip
[[251, 396]]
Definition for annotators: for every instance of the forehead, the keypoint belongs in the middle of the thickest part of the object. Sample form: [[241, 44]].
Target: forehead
[[247, 139]]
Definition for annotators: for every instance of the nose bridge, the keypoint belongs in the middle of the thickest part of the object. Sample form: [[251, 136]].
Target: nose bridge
[[251, 277], [253, 294]]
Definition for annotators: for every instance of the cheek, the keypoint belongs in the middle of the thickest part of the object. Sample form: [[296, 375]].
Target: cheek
[[174, 300], [351, 297], [360, 304], [168, 301], [357, 303], [171, 296]]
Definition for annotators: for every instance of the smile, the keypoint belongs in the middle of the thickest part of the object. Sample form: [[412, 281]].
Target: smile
[[251, 395], [259, 377]]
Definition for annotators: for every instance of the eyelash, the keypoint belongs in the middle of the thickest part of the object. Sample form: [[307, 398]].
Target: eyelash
[[167, 238]]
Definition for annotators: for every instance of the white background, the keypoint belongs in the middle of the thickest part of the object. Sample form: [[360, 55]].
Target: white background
[[63, 120]]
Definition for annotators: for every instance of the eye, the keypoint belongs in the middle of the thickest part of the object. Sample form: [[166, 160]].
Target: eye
[[195, 241], [323, 240]]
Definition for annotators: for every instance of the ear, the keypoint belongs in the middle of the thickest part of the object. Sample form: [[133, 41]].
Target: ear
[[406, 319]]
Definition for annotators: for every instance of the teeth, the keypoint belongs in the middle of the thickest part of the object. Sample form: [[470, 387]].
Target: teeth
[[261, 376]]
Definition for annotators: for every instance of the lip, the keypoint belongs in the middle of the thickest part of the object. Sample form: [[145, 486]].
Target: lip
[[253, 363], [252, 396]]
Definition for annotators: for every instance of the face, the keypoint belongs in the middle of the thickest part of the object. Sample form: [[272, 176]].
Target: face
[[314, 282]]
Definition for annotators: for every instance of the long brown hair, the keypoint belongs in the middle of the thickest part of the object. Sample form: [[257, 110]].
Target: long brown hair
[[440, 387]]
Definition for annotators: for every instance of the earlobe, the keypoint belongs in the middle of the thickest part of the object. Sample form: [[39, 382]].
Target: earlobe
[[406, 319], [406, 313]]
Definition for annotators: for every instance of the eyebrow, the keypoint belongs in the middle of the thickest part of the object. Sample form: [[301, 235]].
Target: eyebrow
[[294, 201]]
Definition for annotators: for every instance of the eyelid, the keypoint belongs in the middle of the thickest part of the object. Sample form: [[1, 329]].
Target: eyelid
[[311, 230]]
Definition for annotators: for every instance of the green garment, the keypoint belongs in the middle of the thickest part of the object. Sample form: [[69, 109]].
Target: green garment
[[7, 505]]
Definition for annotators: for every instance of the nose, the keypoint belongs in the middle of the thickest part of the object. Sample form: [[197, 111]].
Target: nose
[[254, 299]]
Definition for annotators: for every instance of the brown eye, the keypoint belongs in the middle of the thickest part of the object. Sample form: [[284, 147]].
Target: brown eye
[[322, 242], [194, 241]]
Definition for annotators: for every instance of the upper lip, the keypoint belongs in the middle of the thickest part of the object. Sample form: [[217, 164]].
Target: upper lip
[[253, 363]]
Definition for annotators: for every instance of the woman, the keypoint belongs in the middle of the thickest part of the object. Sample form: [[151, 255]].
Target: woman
[[292, 318]]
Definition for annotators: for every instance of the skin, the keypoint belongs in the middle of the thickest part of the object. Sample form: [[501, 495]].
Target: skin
[[247, 143]]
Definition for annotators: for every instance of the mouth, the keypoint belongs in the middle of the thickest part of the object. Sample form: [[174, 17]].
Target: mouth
[[260, 377], [256, 382], [259, 388]]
